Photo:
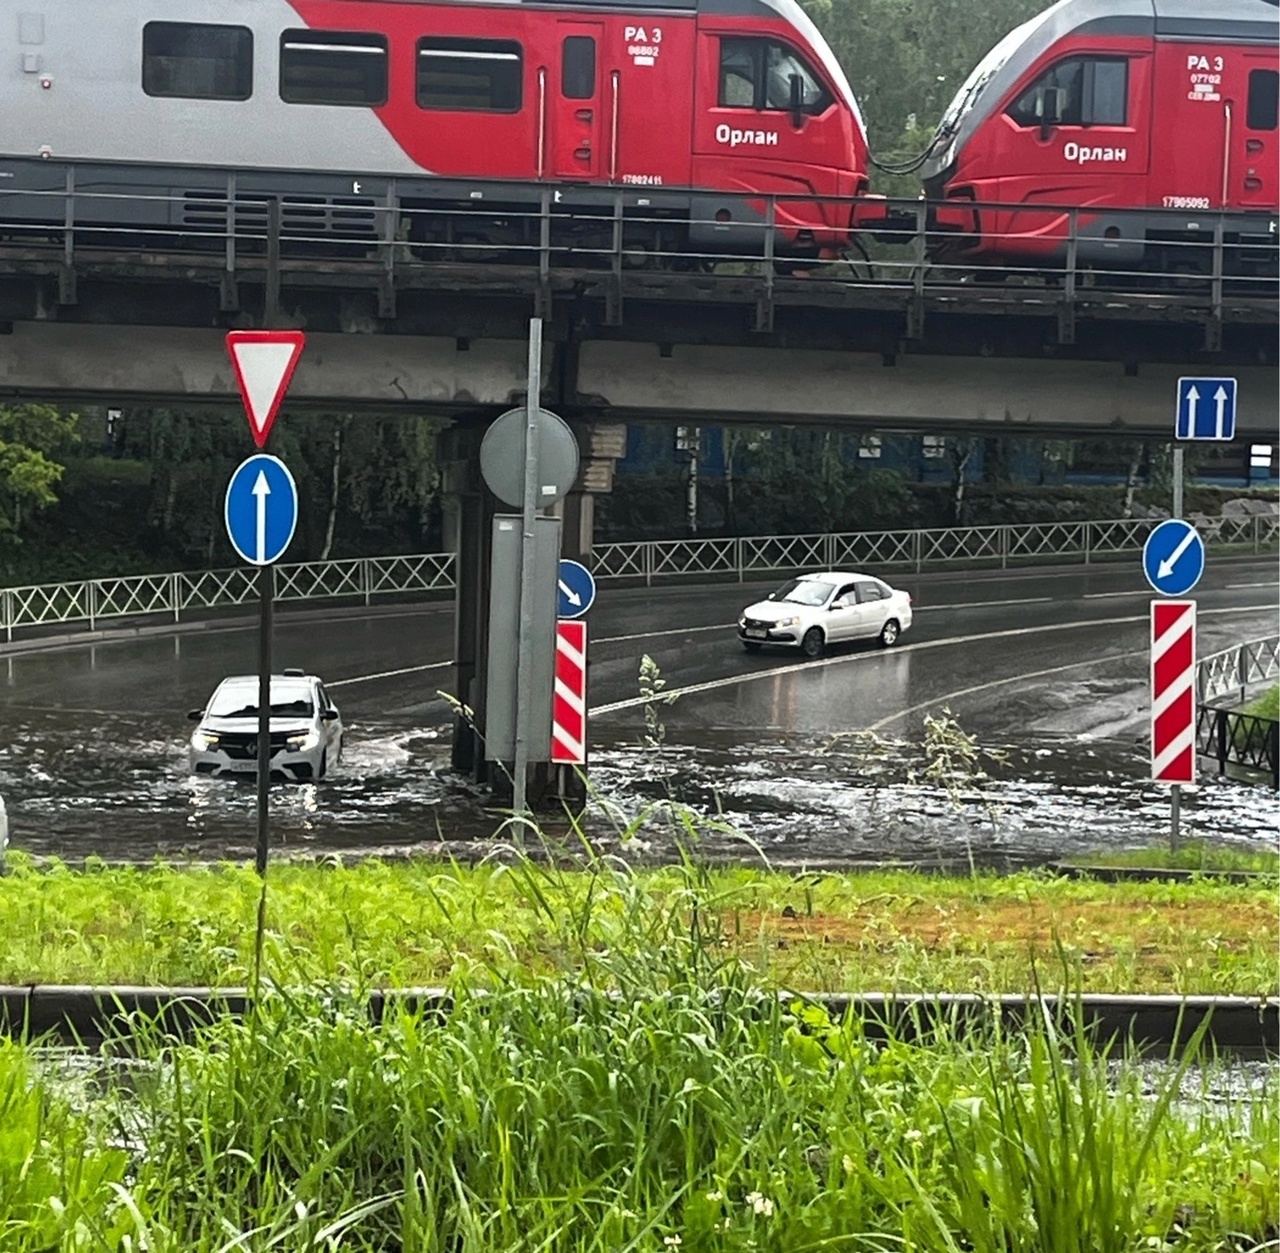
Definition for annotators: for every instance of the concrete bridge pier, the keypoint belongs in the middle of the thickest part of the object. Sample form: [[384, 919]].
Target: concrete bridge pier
[[469, 509]]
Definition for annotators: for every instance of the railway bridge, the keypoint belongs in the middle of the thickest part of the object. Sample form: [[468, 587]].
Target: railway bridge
[[880, 341]]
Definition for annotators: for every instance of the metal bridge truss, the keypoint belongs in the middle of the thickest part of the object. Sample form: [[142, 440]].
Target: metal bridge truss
[[361, 579], [603, 242]]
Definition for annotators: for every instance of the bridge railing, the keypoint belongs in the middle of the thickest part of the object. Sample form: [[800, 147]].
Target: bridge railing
[[361, 579], [1209, 265]]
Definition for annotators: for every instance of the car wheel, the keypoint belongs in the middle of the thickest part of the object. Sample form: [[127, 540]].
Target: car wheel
[[813, 643], [750, 646], [889, 633]]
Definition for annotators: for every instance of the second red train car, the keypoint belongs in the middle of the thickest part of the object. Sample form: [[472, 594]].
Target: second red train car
[[1149, 116]]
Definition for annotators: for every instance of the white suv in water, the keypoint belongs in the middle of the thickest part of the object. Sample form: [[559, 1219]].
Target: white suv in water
[[306, 728], [815, 610]]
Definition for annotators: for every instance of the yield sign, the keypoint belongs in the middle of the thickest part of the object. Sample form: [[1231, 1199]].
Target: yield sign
[[264, 362]]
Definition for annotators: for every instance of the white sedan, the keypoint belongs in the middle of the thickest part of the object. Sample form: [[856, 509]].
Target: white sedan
[[815, 610], [306, 728]]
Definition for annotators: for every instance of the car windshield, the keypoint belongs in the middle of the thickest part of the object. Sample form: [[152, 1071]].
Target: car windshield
[[240, 700], [804, 592]]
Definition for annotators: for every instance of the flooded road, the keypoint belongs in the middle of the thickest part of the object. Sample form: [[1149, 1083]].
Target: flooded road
[[764, 755]]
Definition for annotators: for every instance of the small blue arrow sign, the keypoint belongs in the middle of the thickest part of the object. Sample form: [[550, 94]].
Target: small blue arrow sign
[[1206, 409], [1173, 558], [262, 509], [576, 588]]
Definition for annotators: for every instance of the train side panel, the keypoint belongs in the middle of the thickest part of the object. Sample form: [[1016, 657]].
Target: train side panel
[[1217, 103]]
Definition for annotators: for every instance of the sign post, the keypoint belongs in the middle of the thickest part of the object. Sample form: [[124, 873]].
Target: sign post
[[261, 514], [529, 459]]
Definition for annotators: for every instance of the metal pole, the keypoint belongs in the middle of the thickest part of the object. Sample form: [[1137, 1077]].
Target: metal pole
[[266, 599], [524, 654], [1175, 792]]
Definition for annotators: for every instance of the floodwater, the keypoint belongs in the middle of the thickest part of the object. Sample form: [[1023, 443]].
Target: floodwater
[[788, 797]]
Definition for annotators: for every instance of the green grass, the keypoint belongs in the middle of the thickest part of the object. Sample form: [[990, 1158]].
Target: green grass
[[1194, 855], [426, 922], [1266, 706], [692, 1111]]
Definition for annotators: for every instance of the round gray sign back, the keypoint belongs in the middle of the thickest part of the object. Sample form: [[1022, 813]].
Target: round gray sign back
[[502, 458]]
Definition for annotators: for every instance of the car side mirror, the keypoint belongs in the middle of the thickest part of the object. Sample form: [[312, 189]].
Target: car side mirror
[[194, 715], [840, 602], [797, 101], [329, 715]]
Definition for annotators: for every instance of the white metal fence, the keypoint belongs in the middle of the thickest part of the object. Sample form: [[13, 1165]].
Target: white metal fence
[[1000, 546], [1232, 672], [363, 578]]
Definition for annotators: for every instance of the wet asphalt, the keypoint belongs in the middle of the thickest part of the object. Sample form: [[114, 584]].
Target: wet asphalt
[[1047, 668]]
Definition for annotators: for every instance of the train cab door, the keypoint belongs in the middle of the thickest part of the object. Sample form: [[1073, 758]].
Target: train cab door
[[575, 103], [1254, 179], [1076, 133]]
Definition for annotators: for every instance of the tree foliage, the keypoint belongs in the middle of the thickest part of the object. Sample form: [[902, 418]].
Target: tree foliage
[[907, 58], [32, 438]]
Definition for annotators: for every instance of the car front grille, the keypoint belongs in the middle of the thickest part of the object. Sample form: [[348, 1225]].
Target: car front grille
[[243, 745], [756, 624]]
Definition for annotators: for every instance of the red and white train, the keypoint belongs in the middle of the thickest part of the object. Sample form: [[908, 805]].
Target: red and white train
[[1140, 118], [339, 106], [1165, 107]]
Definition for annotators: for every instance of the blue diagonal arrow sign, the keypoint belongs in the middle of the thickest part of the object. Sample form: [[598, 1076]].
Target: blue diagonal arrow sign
[[1173, 558], [261, 509], [576, 589]]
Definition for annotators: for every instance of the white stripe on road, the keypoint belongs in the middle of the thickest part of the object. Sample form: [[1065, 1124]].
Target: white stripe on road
[[388, 674], [986, 604], [1240, 587], [1113, 595], [982, 687], [712, 685]]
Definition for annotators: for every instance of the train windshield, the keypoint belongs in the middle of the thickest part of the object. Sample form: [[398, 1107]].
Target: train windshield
[[986, 70]]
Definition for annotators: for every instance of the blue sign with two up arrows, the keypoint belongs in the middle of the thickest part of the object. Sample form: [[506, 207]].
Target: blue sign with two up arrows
[[1173, 558], [1206, 409], [261, 510]]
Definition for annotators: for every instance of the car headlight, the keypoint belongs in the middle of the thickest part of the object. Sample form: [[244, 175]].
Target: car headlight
[[787, 622], [302, 742], [201, 741]]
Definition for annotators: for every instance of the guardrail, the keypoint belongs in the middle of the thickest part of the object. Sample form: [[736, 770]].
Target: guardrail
[[363, 578], [1248, 742], [1227, 735], [1001, 546], [1221, 266], [1234, 670]]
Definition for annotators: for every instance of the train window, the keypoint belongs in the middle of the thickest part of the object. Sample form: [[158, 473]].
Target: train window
[[332, 67], [1083, 91], [738, 62], [475, 75], [757, 74], [197, 61], [1264, 100], [578, 67]]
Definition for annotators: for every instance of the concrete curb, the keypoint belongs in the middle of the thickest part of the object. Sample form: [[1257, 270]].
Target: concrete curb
[[86, 1015]]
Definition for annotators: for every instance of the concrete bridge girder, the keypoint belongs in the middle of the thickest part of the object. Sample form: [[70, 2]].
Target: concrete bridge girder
[[714, 384], [761, 384], [174, 364]]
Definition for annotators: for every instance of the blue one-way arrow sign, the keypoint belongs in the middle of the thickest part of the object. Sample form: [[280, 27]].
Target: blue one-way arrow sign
[[261, 509], [1206, 409], [576, 590], [1173, 558]]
